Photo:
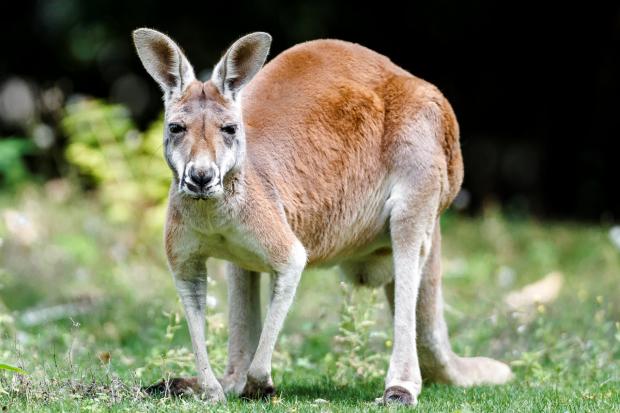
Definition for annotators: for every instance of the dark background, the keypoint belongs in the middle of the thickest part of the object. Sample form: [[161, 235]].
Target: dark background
[[535, 86]]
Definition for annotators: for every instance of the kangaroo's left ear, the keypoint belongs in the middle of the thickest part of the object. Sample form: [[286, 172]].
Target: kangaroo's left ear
[[163, 60], [241, 63]]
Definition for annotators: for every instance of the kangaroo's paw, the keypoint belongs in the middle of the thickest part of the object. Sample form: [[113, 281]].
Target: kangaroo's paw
[[258, 389], [177, 386], [183, 386]]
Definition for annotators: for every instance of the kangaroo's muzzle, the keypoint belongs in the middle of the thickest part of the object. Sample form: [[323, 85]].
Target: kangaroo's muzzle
[[200, 181]]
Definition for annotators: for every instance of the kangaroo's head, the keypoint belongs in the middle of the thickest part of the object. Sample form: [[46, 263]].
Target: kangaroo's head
[[204, 137]]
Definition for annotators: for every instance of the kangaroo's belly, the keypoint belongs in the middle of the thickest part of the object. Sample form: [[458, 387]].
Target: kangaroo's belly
[[352, 229]]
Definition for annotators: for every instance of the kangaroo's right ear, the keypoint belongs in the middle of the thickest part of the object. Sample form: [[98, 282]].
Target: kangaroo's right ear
[[163, 60]]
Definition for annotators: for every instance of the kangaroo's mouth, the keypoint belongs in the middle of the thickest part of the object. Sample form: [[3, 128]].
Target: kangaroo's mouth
[[200, 193], [194, 191]]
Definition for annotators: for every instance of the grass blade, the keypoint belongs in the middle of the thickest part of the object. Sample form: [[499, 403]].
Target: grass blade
[[12, 368]]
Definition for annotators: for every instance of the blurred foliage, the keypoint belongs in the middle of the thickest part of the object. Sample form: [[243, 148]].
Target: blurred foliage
[[125, 164], [13, 169]]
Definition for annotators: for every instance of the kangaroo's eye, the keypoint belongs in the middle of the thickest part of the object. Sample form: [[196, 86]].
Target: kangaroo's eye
[[229, 129], [175, 128]]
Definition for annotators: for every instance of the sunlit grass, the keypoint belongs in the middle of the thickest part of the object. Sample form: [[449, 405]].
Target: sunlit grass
[[88, 309]]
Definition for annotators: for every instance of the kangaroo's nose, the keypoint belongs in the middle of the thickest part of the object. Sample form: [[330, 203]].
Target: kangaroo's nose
[[201, 177]]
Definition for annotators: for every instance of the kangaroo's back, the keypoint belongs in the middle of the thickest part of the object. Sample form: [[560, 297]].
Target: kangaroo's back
[[324, 121], [330, 84]]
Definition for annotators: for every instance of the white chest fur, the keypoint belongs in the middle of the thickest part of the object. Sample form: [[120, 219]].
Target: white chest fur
[[219, 235], [236, 247]]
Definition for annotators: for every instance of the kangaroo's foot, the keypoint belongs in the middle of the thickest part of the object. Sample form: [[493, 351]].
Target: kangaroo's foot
[[258, 389], [470, 371]]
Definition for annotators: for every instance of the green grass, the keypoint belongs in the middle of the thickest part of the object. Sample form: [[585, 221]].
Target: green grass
[[122, 327]]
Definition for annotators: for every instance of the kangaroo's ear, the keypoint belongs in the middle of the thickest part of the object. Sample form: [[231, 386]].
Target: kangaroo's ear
[[241, 63], [163, 60]]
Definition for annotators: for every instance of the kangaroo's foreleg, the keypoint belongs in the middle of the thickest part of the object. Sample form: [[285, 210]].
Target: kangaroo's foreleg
[[259, 382], [187, 262]]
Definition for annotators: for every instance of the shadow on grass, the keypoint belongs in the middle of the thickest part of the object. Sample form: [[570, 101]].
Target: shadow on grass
[[308, 390], [301, 390], [324, 388]]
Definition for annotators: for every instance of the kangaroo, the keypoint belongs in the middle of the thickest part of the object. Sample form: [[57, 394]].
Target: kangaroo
[[329, 155]]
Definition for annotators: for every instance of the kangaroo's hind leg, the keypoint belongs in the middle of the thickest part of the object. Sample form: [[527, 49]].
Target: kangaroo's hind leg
[[438, 362], [244, 325], [412, 218]]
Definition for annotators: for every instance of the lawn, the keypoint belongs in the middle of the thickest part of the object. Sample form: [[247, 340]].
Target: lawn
[[88, 310]]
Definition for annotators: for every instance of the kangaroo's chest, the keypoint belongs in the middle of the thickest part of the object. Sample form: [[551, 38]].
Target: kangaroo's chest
[[237, 249], [231, 243]]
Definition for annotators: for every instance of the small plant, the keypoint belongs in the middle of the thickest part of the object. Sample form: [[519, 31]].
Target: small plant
[[165, 360], [360, 352]]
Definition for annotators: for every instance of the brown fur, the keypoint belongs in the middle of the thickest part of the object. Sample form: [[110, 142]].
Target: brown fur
[[325, 139], [197, 100], [173, 226]]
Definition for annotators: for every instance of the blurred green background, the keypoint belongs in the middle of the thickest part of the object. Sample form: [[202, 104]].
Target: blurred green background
[[531, 248]]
